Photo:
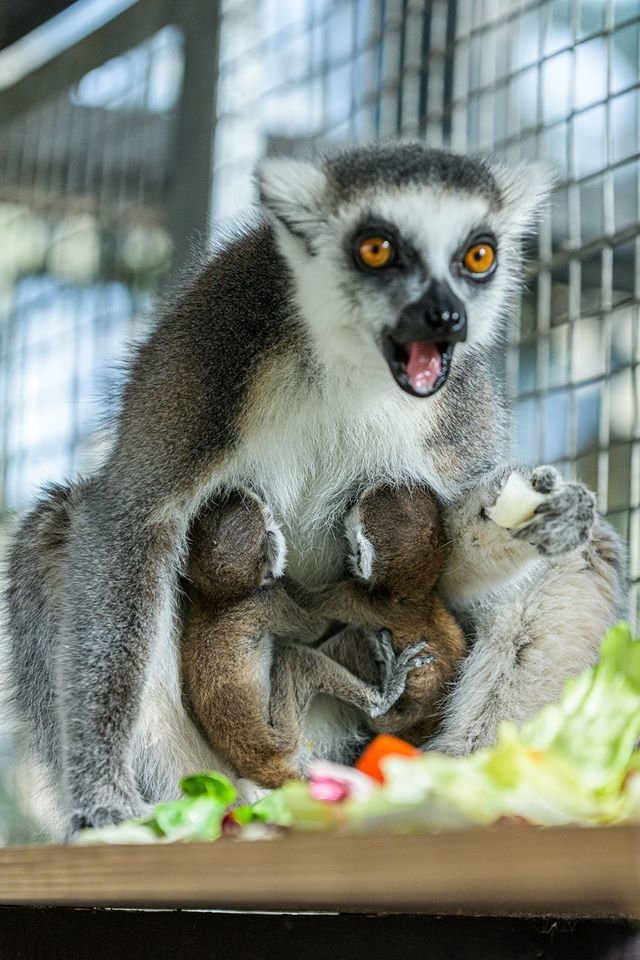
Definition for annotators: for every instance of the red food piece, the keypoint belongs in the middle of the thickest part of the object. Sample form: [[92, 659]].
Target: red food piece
[[383, 746]]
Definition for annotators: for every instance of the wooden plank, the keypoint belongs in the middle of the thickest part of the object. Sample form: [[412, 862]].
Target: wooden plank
[[509, 870]]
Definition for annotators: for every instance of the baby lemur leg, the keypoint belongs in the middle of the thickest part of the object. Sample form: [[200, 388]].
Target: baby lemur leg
[[248, 691], [537, 600]]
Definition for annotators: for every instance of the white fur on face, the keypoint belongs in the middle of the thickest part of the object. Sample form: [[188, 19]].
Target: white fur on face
[[346, 314]]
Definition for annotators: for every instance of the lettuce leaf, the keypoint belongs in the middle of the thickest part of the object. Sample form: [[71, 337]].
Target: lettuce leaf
[[576, 761]]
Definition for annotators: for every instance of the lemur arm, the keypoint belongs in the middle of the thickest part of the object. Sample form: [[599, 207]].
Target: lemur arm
[[346, 600], [342, 666], [484, 557], [527, 642]]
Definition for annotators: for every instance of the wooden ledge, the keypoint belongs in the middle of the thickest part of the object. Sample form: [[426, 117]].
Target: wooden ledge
[[502, 871]]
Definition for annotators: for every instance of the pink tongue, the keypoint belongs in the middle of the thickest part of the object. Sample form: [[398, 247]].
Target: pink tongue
[[424, 365]]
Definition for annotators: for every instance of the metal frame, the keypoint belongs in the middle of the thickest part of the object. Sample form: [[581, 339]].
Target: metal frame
[[188, 188]]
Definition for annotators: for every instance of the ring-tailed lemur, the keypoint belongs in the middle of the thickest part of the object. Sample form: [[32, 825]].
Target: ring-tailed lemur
[[344, 339]]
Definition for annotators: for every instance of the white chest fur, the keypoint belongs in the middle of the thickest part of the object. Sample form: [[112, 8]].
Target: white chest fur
[[310, 449]]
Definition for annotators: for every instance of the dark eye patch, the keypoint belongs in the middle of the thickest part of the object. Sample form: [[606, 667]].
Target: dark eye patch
[[406, 256]]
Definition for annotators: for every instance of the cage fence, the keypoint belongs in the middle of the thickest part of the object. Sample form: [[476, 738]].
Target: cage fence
[[98, 192], [89, 181], [83, 217]]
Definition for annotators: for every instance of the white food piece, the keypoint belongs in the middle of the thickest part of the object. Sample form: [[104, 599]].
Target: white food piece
[[517, 503]]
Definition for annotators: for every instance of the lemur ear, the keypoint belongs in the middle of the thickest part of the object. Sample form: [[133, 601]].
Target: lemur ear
[[293, 191], [525, 189]]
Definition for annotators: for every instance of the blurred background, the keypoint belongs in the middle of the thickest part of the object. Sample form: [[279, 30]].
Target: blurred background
[[129, 130]]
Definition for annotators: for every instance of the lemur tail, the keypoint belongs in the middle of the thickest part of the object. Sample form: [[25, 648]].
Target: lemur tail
[[35, 568]]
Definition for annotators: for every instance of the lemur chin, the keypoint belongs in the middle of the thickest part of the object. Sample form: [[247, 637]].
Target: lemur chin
[[343, 339]]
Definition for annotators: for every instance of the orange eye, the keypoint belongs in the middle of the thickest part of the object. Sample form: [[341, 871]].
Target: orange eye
[[479, 258], [375, 252]]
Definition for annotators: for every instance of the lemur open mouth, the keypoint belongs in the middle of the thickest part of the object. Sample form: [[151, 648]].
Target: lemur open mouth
[[419, 368]]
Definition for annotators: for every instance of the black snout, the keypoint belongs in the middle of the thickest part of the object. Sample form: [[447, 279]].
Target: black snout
[[438, 316]]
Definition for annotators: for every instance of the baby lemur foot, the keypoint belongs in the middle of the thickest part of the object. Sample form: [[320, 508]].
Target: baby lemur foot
[[562, 522], [393, 669]]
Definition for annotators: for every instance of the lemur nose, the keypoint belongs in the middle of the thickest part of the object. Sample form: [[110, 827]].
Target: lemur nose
[[444, 313], [438, 316], [445, 320]]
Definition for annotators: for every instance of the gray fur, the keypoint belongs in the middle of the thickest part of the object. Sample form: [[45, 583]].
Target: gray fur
[[537, 602], [266, 371]]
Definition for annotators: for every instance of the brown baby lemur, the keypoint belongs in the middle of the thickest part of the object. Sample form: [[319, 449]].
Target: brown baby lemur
[[249, 688]]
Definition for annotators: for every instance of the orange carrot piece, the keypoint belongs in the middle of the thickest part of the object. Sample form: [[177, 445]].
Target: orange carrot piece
[[383, 746]]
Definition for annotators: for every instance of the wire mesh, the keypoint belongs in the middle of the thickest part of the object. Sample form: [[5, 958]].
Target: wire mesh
[[85, 177], [549, 79], [83, 193]]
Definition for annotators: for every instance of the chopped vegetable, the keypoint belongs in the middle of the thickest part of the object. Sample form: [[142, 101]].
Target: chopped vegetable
[[516, 504], [577, 761], [383, 746]]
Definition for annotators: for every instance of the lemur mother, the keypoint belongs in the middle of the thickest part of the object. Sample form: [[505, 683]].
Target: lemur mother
[[344, 338]]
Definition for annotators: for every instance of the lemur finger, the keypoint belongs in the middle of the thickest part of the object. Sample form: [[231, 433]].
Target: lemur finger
[[545, 478], [422, 661], [412, 652]]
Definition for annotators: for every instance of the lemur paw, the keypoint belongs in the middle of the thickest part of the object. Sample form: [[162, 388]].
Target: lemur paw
[[361, 554], [564, 521], [393, 669], [110, 806]]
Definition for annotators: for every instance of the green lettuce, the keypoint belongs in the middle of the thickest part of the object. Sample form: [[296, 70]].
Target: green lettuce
[[576, 761]]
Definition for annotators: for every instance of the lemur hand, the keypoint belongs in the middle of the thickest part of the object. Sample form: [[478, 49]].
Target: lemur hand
[[394, 668], [562, 522]]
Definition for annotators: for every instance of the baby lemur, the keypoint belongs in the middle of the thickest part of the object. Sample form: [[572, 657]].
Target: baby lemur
[[346, 337], [250, 693]]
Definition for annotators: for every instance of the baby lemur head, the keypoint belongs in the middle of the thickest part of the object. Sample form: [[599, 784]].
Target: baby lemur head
[[404, 528], [403, 255], [227, 548]]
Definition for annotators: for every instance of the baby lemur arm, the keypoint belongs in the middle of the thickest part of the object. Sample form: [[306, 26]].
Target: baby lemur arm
[[349, 601]]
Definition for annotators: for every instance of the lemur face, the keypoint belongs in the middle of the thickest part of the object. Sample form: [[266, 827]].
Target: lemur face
[[403, 255]]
